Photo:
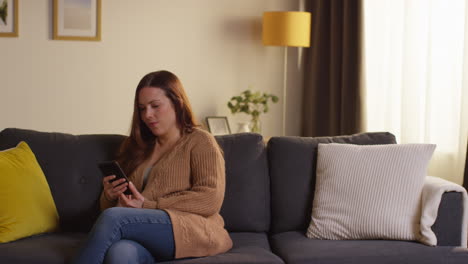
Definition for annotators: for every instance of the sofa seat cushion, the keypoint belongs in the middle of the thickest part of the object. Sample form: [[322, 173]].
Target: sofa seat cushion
[[48, 248], [247, 248], [60, 248], [294, 247]]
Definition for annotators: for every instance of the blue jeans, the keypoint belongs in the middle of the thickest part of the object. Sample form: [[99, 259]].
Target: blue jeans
[[129, 235]]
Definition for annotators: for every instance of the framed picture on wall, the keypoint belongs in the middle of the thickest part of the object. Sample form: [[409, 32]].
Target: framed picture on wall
[[218, 125], [8, 18], [77, 20]]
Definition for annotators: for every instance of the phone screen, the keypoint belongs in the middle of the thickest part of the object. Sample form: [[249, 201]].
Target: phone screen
[[113, 168]]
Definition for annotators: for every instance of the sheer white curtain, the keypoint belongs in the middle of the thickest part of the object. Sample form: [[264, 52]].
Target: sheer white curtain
[[416, 76]]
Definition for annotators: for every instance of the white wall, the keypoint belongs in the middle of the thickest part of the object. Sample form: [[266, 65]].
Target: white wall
[[82, 87]]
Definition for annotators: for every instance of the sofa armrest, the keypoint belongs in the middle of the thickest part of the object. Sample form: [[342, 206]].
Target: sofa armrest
[[442, 204], [448, 224]]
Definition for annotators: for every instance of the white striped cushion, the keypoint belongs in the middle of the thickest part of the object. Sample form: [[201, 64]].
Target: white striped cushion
[[369, 192]]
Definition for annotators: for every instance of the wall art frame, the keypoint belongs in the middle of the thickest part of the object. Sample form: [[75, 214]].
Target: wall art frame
[[77, 20], [9, 18]]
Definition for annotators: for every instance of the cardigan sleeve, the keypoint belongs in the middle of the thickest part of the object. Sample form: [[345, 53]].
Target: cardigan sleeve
[[206, 195], [105, 203]]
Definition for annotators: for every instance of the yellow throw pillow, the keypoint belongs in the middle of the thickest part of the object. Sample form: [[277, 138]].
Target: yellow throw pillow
[[26, 204]]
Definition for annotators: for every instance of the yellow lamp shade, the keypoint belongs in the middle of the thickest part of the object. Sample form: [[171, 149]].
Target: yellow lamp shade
[[286, 29]]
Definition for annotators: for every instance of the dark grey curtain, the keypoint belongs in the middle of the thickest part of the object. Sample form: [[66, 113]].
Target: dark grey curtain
[[465, 178], [333, 99]]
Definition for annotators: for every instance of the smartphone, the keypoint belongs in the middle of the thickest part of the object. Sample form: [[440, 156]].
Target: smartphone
[[113, 168]]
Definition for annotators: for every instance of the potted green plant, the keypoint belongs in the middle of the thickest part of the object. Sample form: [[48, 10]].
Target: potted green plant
[[253, 104]]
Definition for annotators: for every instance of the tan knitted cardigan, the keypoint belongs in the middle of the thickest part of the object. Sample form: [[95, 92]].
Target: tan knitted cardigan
[[188, 182]]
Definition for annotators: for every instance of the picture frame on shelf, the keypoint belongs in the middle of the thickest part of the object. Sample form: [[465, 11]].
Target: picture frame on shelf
[[77, 20], [8, 18], [218, 125]]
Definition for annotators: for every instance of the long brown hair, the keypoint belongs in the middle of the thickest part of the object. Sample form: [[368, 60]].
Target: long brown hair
[[138, 146]]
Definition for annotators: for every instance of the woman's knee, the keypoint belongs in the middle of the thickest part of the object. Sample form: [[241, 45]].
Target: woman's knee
[[127, 251], [113, 214]]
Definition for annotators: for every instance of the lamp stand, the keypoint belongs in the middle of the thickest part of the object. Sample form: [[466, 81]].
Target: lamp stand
[[285, 80]]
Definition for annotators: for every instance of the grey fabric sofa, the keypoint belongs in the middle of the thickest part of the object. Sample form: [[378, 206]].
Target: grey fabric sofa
[[267, 206]]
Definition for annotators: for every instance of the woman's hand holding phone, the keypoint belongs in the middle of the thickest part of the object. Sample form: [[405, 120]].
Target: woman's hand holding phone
[[114, 188], [134, 200], [117, 186]]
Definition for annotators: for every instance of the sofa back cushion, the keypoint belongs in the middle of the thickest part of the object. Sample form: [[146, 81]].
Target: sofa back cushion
[[246, 204], [69, 164], [292, 164]]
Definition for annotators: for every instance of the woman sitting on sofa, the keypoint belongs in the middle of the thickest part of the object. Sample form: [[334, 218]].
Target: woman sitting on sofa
[[177, 183]]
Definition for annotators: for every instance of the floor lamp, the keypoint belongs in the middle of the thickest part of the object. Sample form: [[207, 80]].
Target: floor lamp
[[287, 29]]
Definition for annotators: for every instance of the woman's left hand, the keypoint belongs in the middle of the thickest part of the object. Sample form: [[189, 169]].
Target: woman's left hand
[[134, 200]]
